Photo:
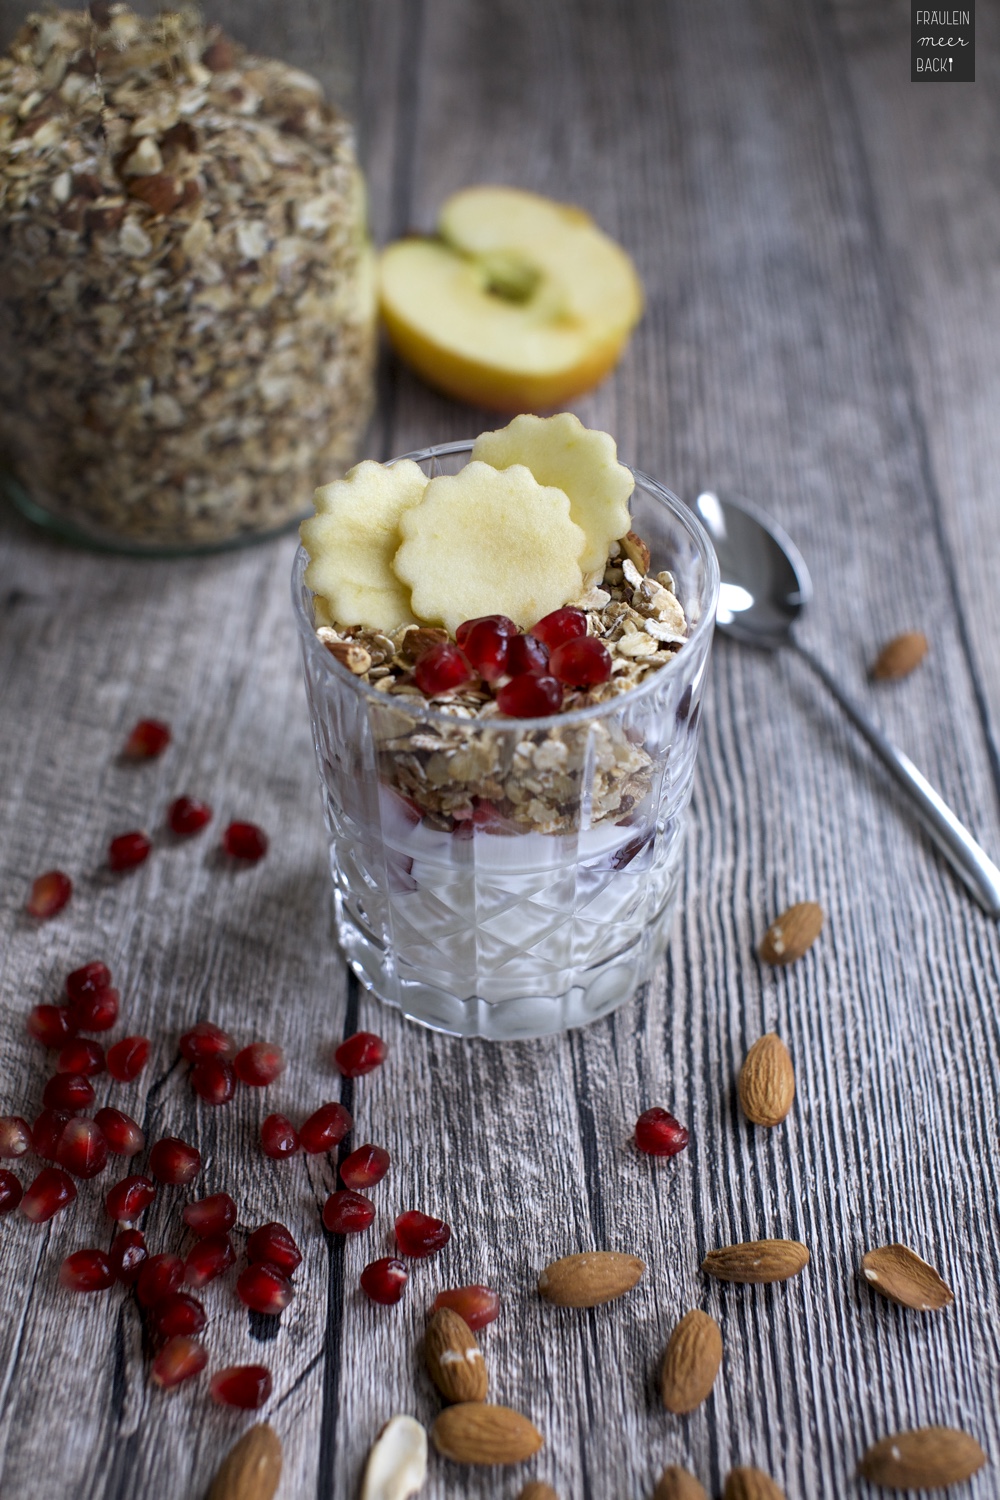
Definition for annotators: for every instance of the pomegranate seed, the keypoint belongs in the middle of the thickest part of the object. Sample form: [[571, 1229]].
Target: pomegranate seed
[[149, 738], [213, 1080], [178, 1313], [478, 1305], [560, 626], [123, 1135], [325, 1128], [527, 655], [86, 1271], [278, 1137], [128, 850], [486, 648], [419, 1236], [274, 1243], [11, 1191], [127, 1058], [206, 1040], [51, 1190], [97, 1011], [581, 663], [47, 1129], [213, 1215], [129, 1198], [364, 1167], [384, 1280], [186, 815], [81, 1056], [500, 622], [15, 1137], [179, 1359], [530, 697], [82, 1148], [263, 1288], [52, 1025], [360, 1053], [259, 1064], [174, 1161], [659, 1134], [49, 894], [160, 1276], [348, 1213], [128, 1255], [87, 979], [245, 841], [68, 1091], [245, 1386], [442, 669], [208, 1259]]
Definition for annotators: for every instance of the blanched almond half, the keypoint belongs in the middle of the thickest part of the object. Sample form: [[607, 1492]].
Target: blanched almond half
[[397, 1461]]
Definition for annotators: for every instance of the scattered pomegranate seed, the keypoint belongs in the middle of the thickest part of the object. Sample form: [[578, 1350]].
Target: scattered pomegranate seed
[[325, 1128], [527, 655], [49, 894], [127, 1058], [659, 1134], [278, 1137], [47, 1129], [11, 1191], [560, 626], [15, 1137], [51, 1190], [68, 1091], [500, 623], [178, 1313], [478, 1305], [174, 1161], [208, 1259], [128, 850], [160, 1277], [442, 669], [179, 1359], [87, 979], [485, 646], [259, 1064], [245, 1386], [215, 1215], [274, 1243], [97, 1011], [245, 841], [86, 1271], [206, 1040], [123, 1135], [82, 1148], [348, 1213], [81, 1056], [52, 1025], [213, 1080], [384, 1280], [186, 815], [364, 1167], [581, 663], [418, 1235], [129, 1198], [530, 697], [361, 1053], [149, 738], [128, 1254], [263, 1288]]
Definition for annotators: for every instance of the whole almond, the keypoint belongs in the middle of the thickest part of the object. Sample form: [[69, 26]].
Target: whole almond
[[751, 1484], [420, 639], [899, 1274], [454, 1359], [252, 1468], [924, 1458], [691, 1362], [397, 1461], [792, 934], [536, 1490], [767, 1081], [474, 1433], [900, 656], [589, 1279], [757, 1261], [676, 1483]]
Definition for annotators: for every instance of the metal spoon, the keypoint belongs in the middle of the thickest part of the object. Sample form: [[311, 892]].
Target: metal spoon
[[765, 586]]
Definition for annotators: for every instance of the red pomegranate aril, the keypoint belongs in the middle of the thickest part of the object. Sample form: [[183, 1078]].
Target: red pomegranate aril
[[245, 841], [129, 1198], [325, 1128], [186, 815], [206, 1040], [364, 1167], [160, 1277], [11, 1191], [127, 850], [264, 1289], [443, 669], [279, 1138], [87, 979], [384, 1280], [179, 1359], [15, 1137], [486, 648], [97, 1011], [128, 1255], [530, 697], [68, 1091], [127, 1058], [418, 1235], [526, 655], [259, 1064], [49, 894], [245, 1386], [581, 663], [52, 1025], [360, 1054], [274, 1243], [81, 1056], [478, 1305], [214, 1215], [123, 1135], [149, 738], [82, 1148], [213, 1080], [51, 1190], [208, 1259], [86, 1271], [348, 1213], [174, 1161], [178, 1313], [501, 624], [47, 1129], [560, 626], [657, 1133]]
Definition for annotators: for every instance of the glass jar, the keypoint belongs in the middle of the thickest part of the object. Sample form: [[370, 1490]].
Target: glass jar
[[187, 303]]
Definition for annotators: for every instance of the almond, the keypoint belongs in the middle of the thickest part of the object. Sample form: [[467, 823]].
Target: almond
[[900, 656], [767, 1081], [536, 1490], [589, 1279], [924, 1458], [676, 1483], [349, 653], [159, 191], [750, 1484], [397, 1461], [899, 1274], [691, 1362], [454, 1359], [636, 551], [757, 1261], [474, 1433], [420, 639], [252, 1468], [792, 934]]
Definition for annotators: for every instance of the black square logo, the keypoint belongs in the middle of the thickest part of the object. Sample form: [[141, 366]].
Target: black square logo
[[943, 43]]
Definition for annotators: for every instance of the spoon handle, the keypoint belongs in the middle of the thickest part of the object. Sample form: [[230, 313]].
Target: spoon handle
[[954, 840]]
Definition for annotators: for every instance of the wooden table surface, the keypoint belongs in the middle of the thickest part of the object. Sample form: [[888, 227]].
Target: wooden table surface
[[818, 241]]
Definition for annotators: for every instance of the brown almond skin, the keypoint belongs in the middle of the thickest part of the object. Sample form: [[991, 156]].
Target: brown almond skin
[[676, 1483], [751, 1484], [900, 656], [636, 550], [691, 1362], [923, 1458], [461, 1378], [757, 1261], [792, 934], [767, 1081], [536, 1490], [589, 1279], [252, 1468], [897, 1272], [475, 1433]]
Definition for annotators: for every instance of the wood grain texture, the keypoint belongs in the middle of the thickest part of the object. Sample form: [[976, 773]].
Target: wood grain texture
[[815, 339]]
